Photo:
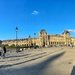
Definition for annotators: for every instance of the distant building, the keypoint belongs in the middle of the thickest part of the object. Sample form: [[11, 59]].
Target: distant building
[[44, 39]]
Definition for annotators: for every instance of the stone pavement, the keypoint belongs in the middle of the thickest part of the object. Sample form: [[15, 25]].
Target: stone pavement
[[45, 61]]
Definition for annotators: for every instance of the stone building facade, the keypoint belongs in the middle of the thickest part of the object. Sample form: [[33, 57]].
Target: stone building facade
[[44, 39]]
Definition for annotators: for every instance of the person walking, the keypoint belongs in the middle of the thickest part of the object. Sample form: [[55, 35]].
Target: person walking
[[4, 49], [1, 53]]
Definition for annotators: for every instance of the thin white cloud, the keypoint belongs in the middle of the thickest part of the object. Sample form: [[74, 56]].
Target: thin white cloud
[[71, 30], [35, 12]]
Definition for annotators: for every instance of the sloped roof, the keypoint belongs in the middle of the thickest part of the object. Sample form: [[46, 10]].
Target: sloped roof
[[66, 31]]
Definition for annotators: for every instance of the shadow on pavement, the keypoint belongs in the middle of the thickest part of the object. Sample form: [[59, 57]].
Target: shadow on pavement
[[73, 71], [18, 56], [30, 70], [27, 56], [4, 66]]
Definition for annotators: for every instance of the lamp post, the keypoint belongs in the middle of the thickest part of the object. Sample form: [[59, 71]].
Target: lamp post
[[34, 39], [16, 39]]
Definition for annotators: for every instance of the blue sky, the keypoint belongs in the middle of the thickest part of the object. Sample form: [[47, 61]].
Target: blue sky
[[30, 16]]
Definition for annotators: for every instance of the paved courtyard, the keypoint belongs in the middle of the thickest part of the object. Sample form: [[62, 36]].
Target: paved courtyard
[[43, 61]]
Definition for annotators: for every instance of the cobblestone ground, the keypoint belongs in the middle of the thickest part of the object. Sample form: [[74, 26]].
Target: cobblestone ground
[[44, 61]]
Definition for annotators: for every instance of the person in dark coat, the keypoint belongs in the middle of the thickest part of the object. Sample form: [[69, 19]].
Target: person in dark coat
[[4, 51]]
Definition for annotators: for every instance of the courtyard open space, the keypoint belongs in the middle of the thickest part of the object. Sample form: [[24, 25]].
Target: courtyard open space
[[41, 61]]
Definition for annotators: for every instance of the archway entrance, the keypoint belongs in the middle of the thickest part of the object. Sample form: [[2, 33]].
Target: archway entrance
[[43, 44]]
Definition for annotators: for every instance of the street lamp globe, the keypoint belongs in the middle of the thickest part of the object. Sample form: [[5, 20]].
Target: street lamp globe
[[16, 29]]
